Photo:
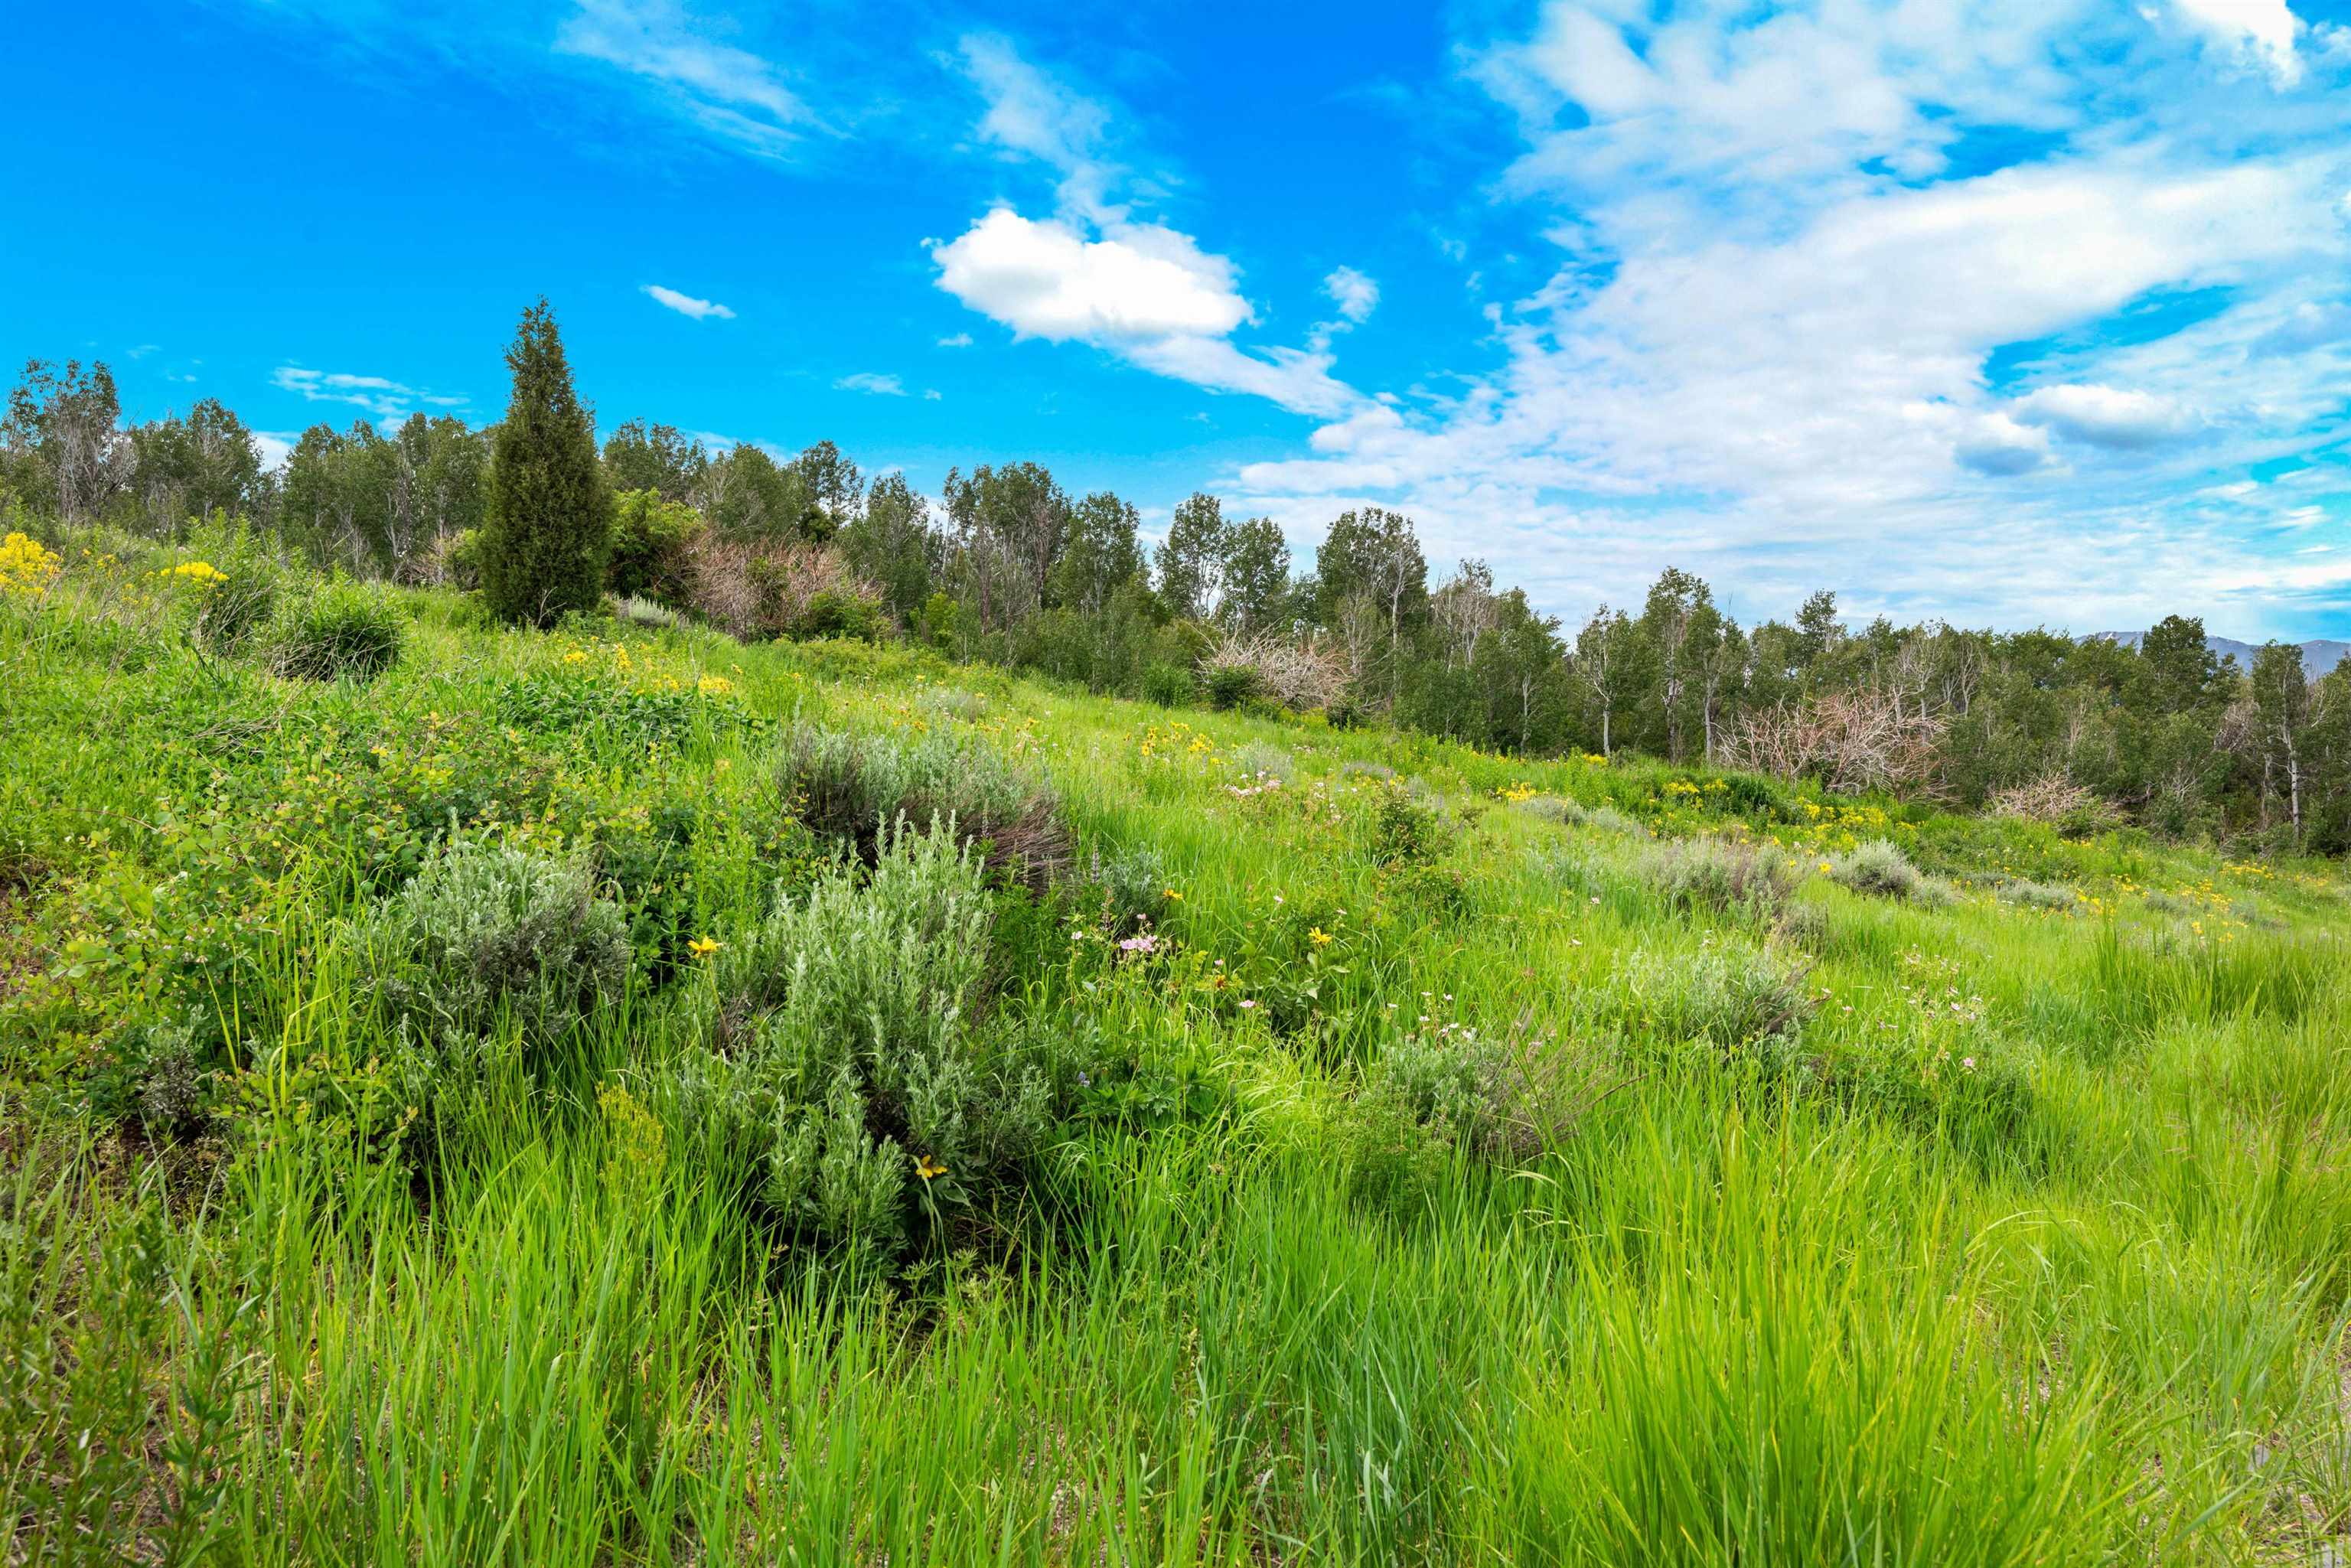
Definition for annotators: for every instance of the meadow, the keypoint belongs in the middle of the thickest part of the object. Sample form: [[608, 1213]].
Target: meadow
[[617, 1095]]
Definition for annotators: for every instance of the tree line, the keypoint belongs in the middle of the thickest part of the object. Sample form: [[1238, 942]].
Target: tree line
[[1008, 567]]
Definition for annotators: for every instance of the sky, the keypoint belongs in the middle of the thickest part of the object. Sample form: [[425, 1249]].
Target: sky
[[2009, 312]]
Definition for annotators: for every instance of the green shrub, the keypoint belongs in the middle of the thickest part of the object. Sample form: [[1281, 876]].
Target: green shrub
[[1230, 685], [1505, 1098], [952, 703], [1255, 761], [1721, 875], [487, 932], [651, 554], [1877, 869], [1131, 886], [1169, 685], [853, 788], [647, 612], [848, 1070], [336, 631], [2041, 894], [1403, 830], [1726, 994], [835, 612]]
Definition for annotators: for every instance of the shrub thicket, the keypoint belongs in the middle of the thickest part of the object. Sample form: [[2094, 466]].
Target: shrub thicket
[[854, 788], [1878, 869], [651, 554], [850, 1071], [488, 932], [1721, 875]]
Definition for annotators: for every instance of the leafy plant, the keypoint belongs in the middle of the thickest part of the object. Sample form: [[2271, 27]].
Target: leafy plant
[[339, 631]]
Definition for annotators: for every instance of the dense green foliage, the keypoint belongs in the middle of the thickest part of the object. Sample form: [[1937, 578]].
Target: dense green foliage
[[2076, 732], [574, 1098], [546, 512]]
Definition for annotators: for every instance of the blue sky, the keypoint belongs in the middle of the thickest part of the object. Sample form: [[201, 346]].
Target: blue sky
[[2010, 312]]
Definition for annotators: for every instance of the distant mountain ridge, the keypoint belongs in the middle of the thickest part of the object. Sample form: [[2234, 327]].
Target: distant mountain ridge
[[2319, 655]]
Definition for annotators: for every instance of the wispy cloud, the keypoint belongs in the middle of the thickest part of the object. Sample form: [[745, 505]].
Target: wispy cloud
[[378, 395], [955, 340], [872, 383], [687, 305], [724, 89]]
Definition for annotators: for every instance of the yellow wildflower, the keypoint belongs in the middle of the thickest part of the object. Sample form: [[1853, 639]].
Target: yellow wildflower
[[928, 1169], [702, 946]]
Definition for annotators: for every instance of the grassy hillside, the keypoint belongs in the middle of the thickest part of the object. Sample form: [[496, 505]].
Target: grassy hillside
[[523, 1108]]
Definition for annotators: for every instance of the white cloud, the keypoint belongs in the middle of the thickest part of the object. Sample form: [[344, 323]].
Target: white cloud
[[1142, 291], [728, 90], [378, 395], [955, 340], [1044, 279], [1995, 443], [2309, 325], [1768, 353], [1031, 114], [2260, 32], [2104, 416], [873, 384], [687, 305], [1095, 274], [1354, 294], [930, 394], [275, 446]]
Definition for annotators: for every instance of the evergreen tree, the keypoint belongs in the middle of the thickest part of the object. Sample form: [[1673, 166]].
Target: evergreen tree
[[549, 522]]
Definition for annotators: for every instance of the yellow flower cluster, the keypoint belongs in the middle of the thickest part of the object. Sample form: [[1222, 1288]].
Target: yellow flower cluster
[[203, 573], [24, 567]]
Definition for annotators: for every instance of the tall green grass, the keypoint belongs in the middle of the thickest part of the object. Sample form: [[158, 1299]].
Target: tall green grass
[[2022, 1242]]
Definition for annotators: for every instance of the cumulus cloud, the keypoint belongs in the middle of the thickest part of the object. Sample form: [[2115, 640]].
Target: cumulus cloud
[[1044, 279], [1095, 274], [2104, 416], [1995, 443], [872, 383], [1354, 294], [687, 305], [1141, 291], [2260, 32]]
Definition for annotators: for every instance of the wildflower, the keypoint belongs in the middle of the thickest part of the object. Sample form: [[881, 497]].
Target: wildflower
[[1146, 943], [928, 1169], [1969, 1063], [1249, 1002], [1175, 895], [25, 566], [702, 946], [1321, 937]]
